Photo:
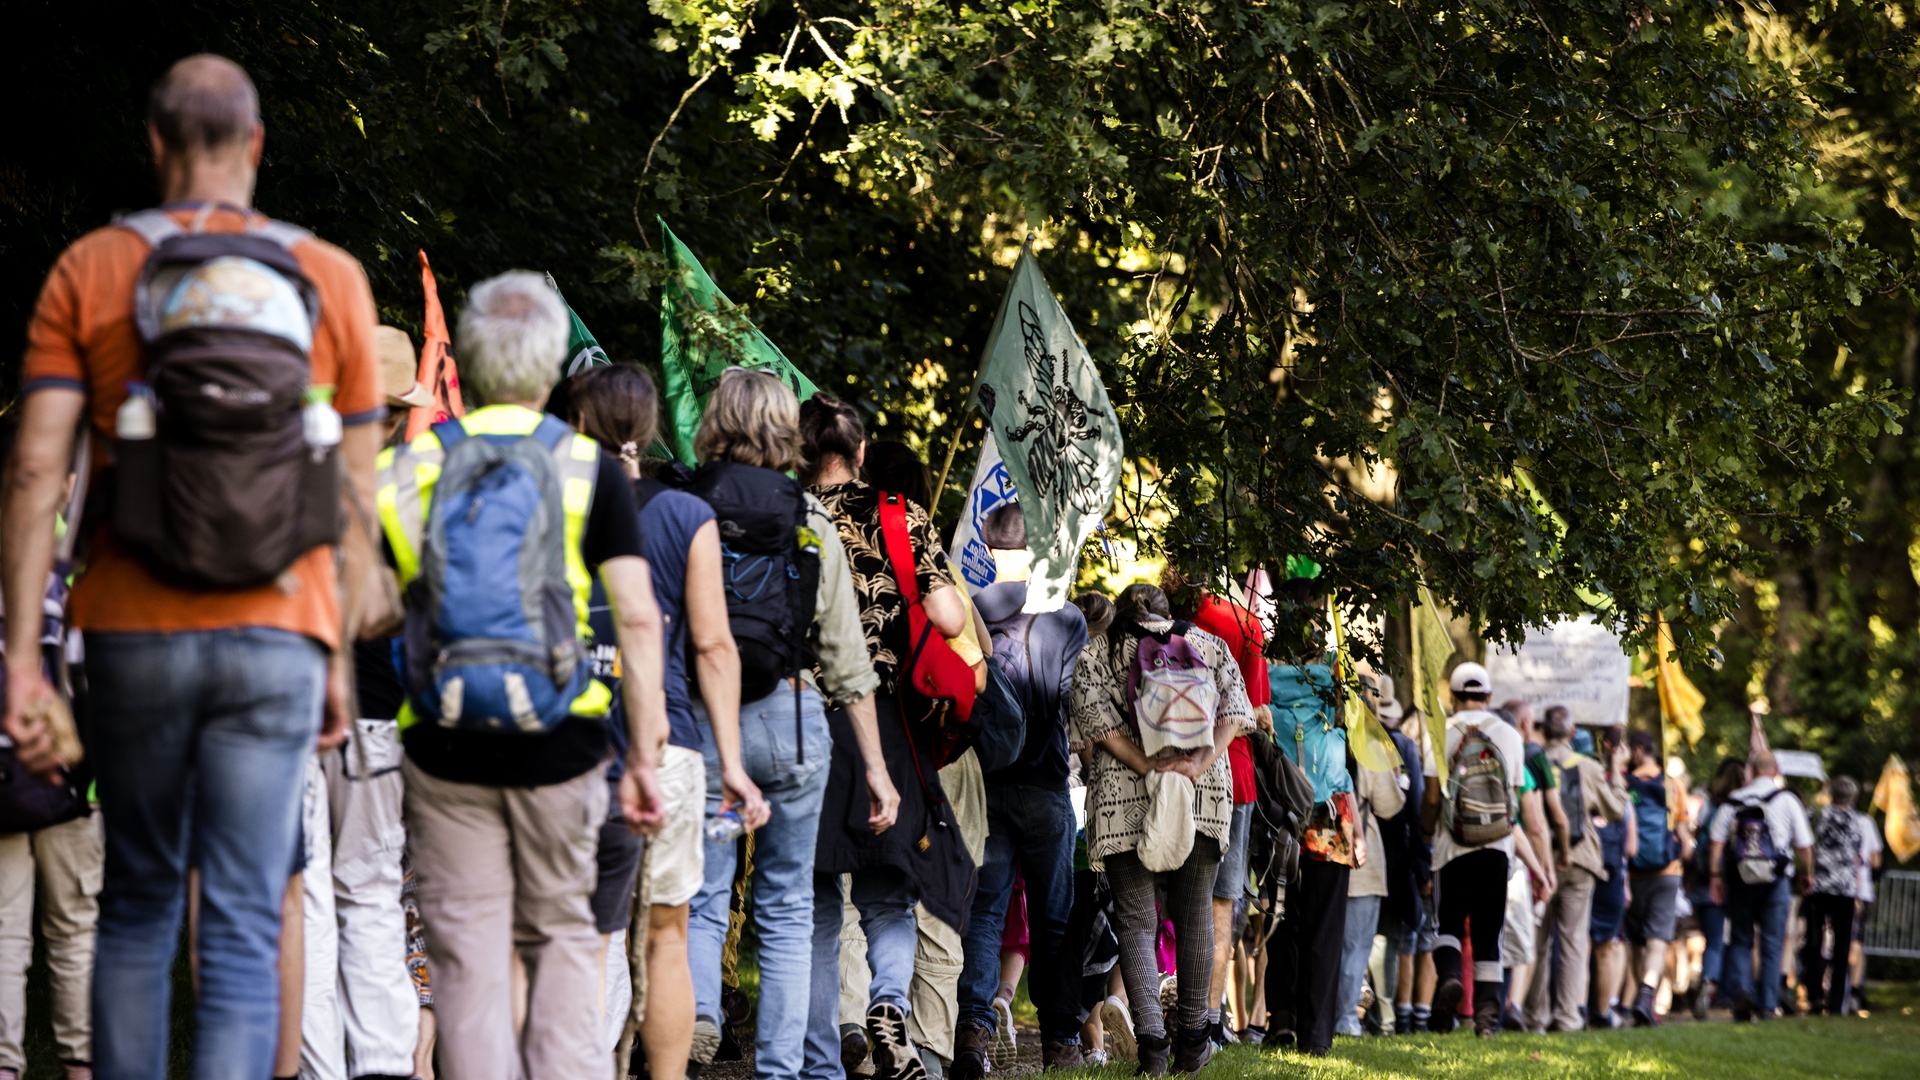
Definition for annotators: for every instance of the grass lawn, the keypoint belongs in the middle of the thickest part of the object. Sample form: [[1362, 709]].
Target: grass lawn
[[1887, 1044]]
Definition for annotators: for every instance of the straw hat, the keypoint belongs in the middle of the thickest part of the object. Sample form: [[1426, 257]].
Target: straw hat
[[398, 363]]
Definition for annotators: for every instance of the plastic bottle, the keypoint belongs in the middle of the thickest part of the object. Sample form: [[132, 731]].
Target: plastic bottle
[[319, 420], [135, 420], [724, 828]]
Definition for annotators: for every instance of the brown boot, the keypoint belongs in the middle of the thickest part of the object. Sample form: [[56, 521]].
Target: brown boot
[[970, 1043], [1061, 1055], [1486, 1009]]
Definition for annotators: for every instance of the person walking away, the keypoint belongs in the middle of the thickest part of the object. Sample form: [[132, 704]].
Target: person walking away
[[618, 408], [1840, 842], [215, 638], [1663, 842], [925, 861], [1607, 925], [505, 758], [1162, 815], [1759, 833], [1472, 846], [1404, 851], [1729, 777], [1030, 820], [1238, 626], [1530, 878], [1378, 797], [373, 1012]]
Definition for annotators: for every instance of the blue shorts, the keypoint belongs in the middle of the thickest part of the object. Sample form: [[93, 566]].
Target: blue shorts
[[1610, 905], [1230, 881]]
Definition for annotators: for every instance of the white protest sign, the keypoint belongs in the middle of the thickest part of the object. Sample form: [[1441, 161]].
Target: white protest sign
[[1577, 663]]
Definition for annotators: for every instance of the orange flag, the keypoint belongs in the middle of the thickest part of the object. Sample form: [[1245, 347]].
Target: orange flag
[[1893, 795], [437, 372]]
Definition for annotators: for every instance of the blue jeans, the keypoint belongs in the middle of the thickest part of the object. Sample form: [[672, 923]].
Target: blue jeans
[[1713, 927], [1363, 916], [1034, 827], [886, 899], [782, 872], [1758, 909], [201, 741]]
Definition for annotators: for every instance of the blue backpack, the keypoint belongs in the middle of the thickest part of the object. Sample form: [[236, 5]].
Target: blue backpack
[[1307, 728], [1656, 846], [492, 640]]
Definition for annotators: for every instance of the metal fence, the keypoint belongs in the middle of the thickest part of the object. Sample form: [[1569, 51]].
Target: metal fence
[[1894, 927]]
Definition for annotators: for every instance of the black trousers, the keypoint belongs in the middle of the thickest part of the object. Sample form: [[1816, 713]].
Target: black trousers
[[1472, 887], [1303, 956], [1822, 910]]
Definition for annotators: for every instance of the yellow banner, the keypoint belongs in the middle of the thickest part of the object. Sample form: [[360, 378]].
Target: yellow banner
[[1893, 795], [1432, 647], [1372, 747], [1680, 700]]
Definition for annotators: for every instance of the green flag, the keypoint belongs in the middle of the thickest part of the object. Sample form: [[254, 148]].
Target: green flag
[[1057, 432], [583, 351], [702, 334]]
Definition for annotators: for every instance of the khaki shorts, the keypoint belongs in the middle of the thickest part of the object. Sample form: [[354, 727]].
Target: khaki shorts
[[676, 858], [1516, 941]]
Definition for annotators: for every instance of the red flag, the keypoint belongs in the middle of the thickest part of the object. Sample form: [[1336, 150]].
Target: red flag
[[437, 371]]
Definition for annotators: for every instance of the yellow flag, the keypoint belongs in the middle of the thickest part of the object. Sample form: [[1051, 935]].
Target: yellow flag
[[1372, 747], [1432, 648], [1893, 795], [1680, 701]]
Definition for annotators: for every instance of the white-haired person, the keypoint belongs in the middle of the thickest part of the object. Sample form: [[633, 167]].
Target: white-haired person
[[503, 815]]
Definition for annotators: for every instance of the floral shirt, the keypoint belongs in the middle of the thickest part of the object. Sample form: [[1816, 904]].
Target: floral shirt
[[855, 507], [1117, 799]]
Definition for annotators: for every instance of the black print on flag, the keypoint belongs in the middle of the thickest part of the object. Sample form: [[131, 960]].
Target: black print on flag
[[1059, 433]]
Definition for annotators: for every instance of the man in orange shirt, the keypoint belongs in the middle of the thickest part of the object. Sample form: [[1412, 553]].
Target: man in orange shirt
[[205, 702]]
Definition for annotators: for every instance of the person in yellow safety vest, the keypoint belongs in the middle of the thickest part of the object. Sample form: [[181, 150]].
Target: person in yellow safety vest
[[503, 824]]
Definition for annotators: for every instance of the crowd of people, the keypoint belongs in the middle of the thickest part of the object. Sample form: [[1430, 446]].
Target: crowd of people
[[509, 779]]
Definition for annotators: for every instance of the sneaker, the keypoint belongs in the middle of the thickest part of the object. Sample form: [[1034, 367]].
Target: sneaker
[[1227, 1036], [1004, 1052], [1511, 1020], [970, 1043], [853, 1046], [1278, 1038], [1119, 1025], [1096, 1058], [1153, 1054], [1703, 999], [1403, 1023], [894, 1055], [1061, 1055], [1621, 1018], [706, 1040], [1446, 1006], [1253, 1034], [1643, 1008], [1192, 1050]]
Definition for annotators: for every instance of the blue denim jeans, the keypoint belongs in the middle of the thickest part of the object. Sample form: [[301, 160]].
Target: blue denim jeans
[[885, 899], [1713, 927], [1760, 909], [782, 872], [201, 741], [1363, 917], [1033, 827]]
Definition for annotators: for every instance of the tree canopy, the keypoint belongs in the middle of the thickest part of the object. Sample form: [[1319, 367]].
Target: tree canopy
[[1535, 304]]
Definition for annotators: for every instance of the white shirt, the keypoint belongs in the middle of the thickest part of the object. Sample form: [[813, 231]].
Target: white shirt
[[1785, 816], [1513, 755], [1869, 847]]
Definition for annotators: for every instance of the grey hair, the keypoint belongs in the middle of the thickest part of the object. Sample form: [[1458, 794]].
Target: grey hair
[[512, 338], [1845, 790]]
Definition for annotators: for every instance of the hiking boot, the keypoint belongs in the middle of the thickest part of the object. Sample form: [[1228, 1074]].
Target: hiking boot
[[1192, 1050], [1061, 1055], [706, 1040], [1153, 1054], [1446, 1006], [970, 1044], [853, 1046], [1486, 1009], [1119, 1025], [894, 1055], [1703, 999], [1643, 1008]]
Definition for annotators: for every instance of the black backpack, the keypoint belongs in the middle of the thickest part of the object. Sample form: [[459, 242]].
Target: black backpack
[[1573, 799], [770, 580], [219, 486]]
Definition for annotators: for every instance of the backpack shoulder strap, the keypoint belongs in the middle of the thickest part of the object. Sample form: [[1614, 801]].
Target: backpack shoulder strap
[[451, 433], [282, 234], [893, 531], [153, 226]]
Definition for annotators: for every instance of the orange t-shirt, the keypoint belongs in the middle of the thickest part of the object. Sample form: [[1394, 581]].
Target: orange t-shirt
[[82, 337]]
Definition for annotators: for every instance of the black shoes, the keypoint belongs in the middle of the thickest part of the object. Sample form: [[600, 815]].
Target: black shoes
[[853, 1046], [1446, 1006], [1486, 1009], [894, 1055], [1643, 1008], [1192, 1050], [1153, 1054]]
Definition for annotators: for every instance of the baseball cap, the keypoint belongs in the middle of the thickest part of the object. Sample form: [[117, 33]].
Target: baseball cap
[[1470, 678]]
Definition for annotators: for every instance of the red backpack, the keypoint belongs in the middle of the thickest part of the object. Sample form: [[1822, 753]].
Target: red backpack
[[935, 685]]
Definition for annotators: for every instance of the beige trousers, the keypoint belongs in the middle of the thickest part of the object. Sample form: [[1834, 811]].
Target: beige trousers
[[63, 865], [500, 869], [938, 956], [1570, 909]]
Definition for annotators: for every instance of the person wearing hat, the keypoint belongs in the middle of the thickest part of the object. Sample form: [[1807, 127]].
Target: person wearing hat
[[1471, 878], [399, 371], [1602, 791]]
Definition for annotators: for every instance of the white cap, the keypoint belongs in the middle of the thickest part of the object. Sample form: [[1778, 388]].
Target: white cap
[[1471, 678]]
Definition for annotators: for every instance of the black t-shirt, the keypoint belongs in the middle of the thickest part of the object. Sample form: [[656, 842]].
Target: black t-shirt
[[579, 743], [376, 677]]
